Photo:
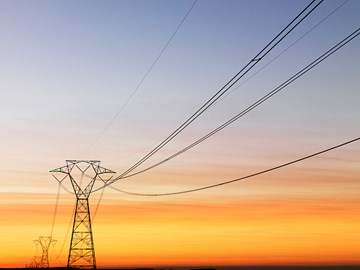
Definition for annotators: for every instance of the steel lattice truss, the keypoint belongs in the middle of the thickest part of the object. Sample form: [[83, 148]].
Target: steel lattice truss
[[45, 242], [82, 175]]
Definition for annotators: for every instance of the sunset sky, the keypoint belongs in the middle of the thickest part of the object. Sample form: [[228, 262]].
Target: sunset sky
[[68, 67]]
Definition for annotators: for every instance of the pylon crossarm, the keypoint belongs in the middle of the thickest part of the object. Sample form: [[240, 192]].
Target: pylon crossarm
[[83, 170], [60, 180], [64, 169], [71, 163], [101, 170], [105, 181]]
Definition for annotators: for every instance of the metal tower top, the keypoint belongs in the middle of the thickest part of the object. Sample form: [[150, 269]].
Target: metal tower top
[[86, 172]]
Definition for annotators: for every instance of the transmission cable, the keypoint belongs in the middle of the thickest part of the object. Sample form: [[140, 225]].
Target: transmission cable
[[260, 101], [36, 251], [67, 232], [267, 64], [98, 205], [133, 93], [269, 47], [253, 106], [141, 81], [241, 178], [285, 50], [55, 209]]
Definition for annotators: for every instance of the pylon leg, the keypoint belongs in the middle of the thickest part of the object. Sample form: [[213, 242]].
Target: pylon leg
[[82, 251]]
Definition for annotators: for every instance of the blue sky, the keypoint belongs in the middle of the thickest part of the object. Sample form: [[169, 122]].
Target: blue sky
[[67, 68]]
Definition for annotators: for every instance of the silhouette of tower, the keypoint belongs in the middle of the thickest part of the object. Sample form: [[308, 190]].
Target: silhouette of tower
[[45, 242], [82, 174]]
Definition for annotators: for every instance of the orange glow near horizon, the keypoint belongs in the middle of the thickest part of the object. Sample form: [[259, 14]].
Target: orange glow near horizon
[[304, 214], [248, 230], [285, 232]]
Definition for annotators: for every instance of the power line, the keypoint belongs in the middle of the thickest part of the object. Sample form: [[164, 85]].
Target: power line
[[270, 46], [133, 93], [98, 205], [241, 178], [310, 66], [56, 208], [265, 66], [122, 107], [285, 50], [67, 232], [141, 81]]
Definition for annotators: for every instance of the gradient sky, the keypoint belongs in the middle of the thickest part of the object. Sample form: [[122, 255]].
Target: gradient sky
[[66, 69]]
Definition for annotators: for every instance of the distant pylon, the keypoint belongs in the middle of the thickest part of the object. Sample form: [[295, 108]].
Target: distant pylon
[[82, 175], [35, 262], [45, 243]]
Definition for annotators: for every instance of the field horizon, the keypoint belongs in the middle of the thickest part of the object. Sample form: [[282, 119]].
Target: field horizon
[[249, 267]]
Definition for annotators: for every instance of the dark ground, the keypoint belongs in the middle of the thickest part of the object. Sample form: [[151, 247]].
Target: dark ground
[[345, 267]]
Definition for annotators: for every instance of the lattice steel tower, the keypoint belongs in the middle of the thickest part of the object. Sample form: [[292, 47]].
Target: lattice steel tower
[[45, 243], [82, 174]]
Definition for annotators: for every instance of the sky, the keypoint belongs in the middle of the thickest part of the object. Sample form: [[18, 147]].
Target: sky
[[68, 67]]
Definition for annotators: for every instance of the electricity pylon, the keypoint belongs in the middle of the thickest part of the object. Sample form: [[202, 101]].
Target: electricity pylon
[[45, 242], [82, 175]]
